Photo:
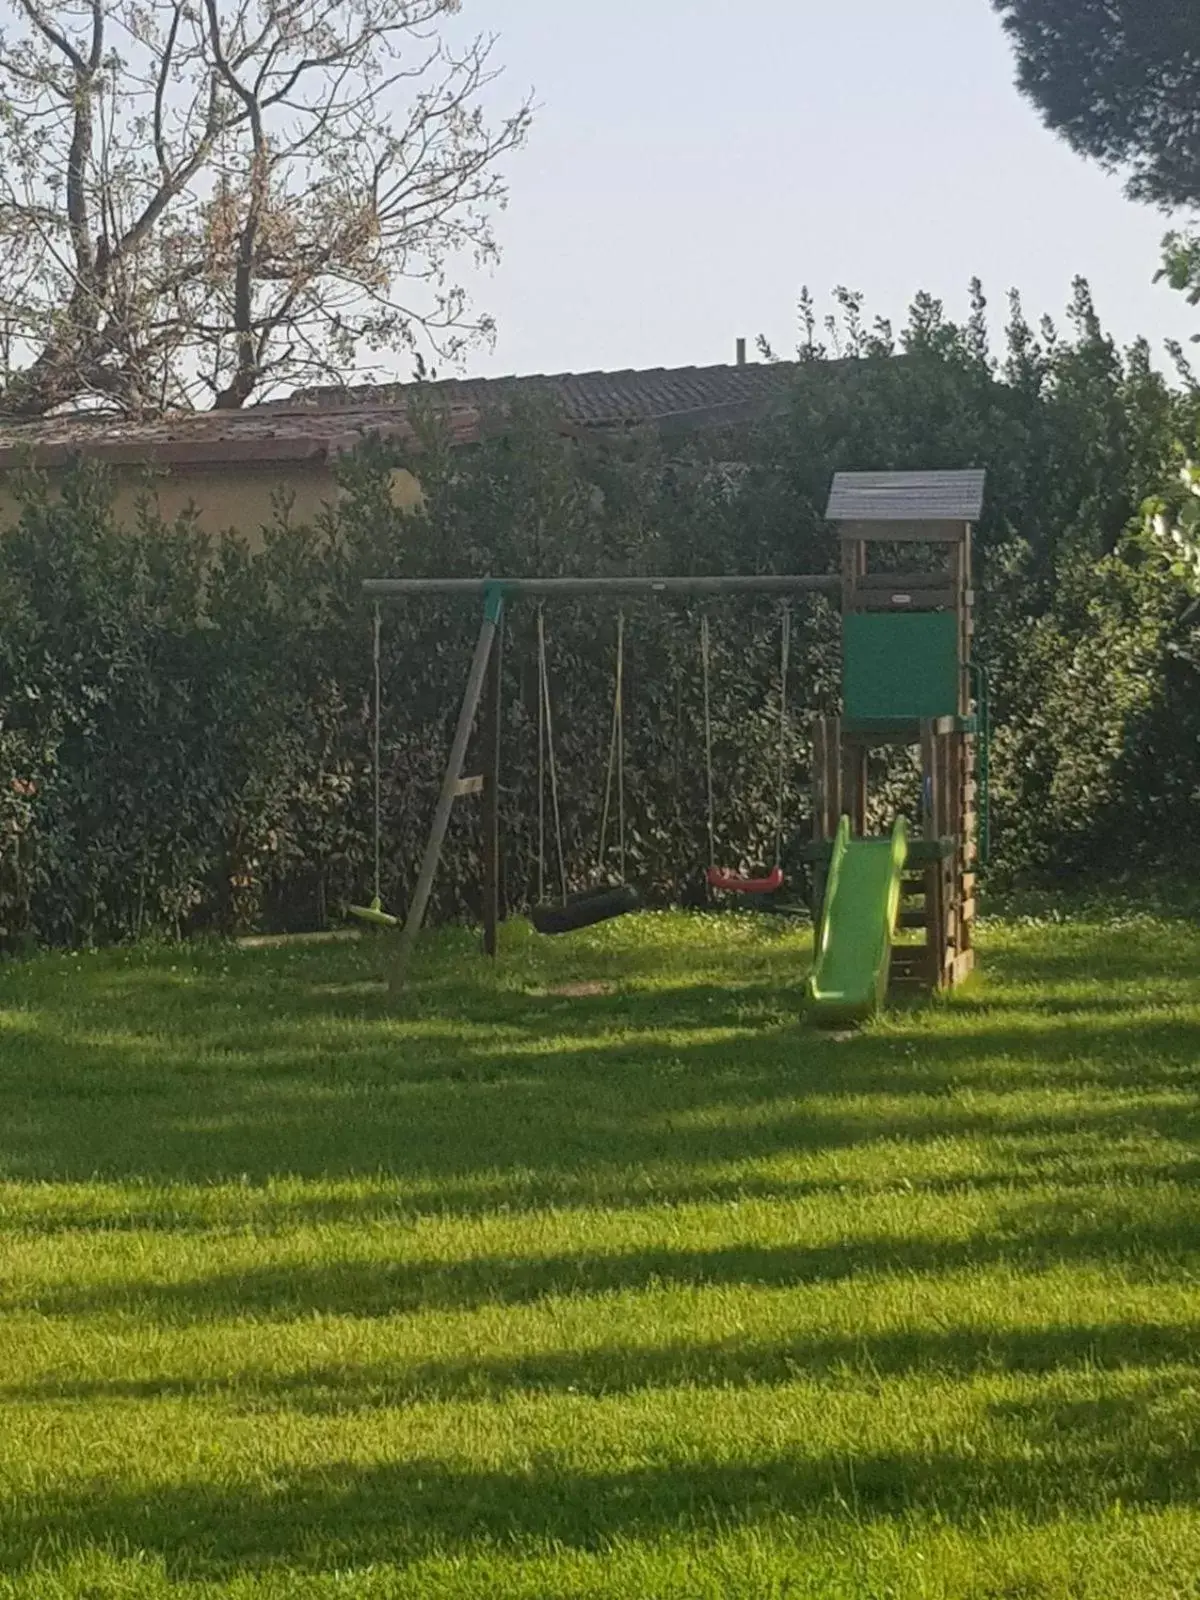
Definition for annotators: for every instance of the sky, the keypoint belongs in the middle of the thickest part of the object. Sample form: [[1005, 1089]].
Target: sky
[[693, 163]]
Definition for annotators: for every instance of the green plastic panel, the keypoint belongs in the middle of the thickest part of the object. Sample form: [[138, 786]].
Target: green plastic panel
[[900, 664]]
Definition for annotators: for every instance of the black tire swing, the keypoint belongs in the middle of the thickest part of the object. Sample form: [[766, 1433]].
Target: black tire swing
[[587, 907]]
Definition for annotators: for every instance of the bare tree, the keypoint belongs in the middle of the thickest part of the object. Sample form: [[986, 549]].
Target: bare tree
[[203, 199]]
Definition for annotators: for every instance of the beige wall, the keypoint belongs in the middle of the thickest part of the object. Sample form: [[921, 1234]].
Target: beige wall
[[242, 497]]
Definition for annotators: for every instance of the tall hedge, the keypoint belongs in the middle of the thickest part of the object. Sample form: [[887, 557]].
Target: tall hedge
[[185, 723]]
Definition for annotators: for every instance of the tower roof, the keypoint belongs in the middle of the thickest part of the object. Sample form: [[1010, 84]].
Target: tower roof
[[907, 497]]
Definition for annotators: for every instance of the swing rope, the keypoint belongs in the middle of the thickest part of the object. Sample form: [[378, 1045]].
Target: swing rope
[[546, 762], [616, 763], [785, 655], [717, 877], [374, 913], [599, 904], [705, 661]]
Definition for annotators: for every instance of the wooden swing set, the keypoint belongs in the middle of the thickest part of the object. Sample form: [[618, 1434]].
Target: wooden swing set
[[569, 911]]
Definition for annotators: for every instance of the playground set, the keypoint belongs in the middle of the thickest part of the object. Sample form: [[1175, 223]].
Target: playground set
[[892, 910]]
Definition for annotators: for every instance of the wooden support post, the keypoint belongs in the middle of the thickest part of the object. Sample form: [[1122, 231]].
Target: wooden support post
[[854, 567], [854, 785], [835, 794], [826, 777], [491, 796], [398, 967], [933, 786], [827, 796]]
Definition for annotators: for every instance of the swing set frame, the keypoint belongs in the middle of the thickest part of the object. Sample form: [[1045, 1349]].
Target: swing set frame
[[484, 686]]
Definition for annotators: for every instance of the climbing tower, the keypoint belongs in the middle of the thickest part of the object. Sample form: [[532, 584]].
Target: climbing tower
[[909, 680]]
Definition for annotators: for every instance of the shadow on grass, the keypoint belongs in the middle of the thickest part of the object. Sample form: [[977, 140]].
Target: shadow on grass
[[436, 1111], [618, 1188], [1033, 1237], [296, 1068], [345, 1514], [962, 1353]]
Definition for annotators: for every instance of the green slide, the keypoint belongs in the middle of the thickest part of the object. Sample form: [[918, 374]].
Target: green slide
[[862, 898]]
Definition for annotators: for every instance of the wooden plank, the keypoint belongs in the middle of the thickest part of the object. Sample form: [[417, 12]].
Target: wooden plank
[[826, 779], [902, 600], [914, 971], [871, 734], [466, 786], [964, 965], [902, 581], [910, 963], [912, 953], [820, 778], [835, 798], [903, 532], [854, 787], [854, 565]]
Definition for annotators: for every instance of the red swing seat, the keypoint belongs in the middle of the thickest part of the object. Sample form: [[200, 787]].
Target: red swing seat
[[735, 883]]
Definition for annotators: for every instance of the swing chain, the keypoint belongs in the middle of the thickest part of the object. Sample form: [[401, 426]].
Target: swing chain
[[546, 761], [785, 654], [616, 763]]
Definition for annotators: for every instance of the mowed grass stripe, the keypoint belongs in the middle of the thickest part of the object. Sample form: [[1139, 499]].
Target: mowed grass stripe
[[642, 1291]]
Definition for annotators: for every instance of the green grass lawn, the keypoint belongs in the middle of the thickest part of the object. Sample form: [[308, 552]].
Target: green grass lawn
[[643, 1292]]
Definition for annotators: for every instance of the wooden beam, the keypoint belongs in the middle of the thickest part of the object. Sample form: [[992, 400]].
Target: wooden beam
[[904, 532], [905, 580], [441, 817], [901, 599]]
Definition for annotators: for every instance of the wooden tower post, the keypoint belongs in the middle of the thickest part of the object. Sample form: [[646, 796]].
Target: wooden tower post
[[908, 628]]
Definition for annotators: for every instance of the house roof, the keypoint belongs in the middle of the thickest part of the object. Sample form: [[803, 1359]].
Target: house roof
[[593, 399], [216, 438], [319, 424], [907, 497]]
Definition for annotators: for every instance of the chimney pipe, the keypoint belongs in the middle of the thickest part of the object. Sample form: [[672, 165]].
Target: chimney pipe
[[741, 352]]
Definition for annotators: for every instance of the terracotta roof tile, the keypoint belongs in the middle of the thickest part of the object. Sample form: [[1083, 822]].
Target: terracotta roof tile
[[257, 434], [319, 424], [604, 399]]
